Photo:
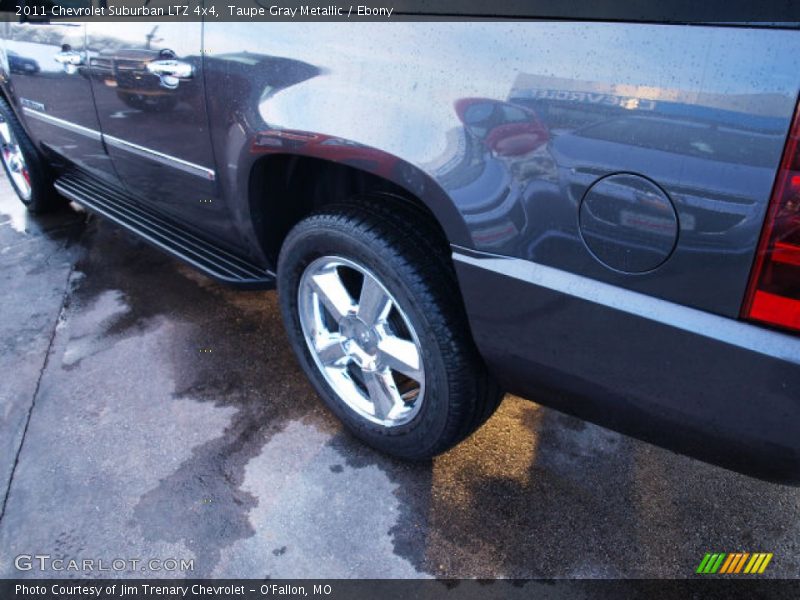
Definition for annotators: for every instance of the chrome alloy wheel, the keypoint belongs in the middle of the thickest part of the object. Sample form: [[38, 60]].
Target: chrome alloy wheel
[[361, 341], [14, 160]]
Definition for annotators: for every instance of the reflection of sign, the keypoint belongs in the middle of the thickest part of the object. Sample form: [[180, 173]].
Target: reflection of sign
[[628, 102]]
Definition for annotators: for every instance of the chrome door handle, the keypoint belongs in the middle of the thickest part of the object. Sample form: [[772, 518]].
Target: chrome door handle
[[170, 71], [70, 60]]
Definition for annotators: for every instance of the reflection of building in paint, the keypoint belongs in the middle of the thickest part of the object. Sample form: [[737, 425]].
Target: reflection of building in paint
[[702, 149], [570, 104]]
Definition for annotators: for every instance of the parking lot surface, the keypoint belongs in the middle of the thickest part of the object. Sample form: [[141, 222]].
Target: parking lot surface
[[147, 412]]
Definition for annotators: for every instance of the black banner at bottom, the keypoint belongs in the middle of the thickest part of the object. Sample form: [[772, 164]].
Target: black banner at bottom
[[340, 589]]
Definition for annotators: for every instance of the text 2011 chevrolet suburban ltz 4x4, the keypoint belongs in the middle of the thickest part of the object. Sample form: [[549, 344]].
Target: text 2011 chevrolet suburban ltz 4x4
[[451, 210]]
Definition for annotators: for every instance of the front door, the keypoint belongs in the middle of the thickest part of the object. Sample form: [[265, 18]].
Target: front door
[[148, 87]]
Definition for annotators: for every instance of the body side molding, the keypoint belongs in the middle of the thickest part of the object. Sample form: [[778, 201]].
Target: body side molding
[[737, 333]]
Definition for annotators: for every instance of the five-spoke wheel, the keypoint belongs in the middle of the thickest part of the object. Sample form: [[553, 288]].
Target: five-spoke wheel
[[14, 160], [373, 311], [361, 340], [25, 166]]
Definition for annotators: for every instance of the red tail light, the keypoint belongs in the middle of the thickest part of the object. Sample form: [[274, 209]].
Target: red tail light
[[773, 295]]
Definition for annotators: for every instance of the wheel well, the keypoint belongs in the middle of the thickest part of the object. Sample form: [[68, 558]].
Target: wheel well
[[284, 189]]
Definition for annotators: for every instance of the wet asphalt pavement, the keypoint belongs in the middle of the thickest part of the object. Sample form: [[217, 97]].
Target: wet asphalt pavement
[[148, 412]]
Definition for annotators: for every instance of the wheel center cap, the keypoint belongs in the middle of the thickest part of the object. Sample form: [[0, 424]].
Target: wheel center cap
[[361, 341]]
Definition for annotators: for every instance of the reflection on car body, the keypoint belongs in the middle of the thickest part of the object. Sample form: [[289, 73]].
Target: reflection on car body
[[611, 232]]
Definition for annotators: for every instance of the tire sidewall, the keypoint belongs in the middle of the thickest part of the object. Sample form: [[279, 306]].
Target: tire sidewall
[[306, 245]]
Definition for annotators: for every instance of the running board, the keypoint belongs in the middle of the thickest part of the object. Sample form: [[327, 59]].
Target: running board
[[213, 261]]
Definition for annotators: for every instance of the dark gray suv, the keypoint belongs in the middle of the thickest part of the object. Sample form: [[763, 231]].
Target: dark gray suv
[[451, 210]]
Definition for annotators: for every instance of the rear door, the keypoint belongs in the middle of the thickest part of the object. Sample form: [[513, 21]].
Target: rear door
[[49, 74], [148, 86]]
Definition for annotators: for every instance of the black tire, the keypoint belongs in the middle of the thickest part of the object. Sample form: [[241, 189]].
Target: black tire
[[398, 246], [44, 197]]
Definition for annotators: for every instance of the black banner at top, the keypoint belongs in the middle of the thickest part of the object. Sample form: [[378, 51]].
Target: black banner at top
[[763, 13]]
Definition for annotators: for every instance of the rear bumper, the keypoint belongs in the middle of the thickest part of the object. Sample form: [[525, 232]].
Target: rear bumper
[[720, 390]]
